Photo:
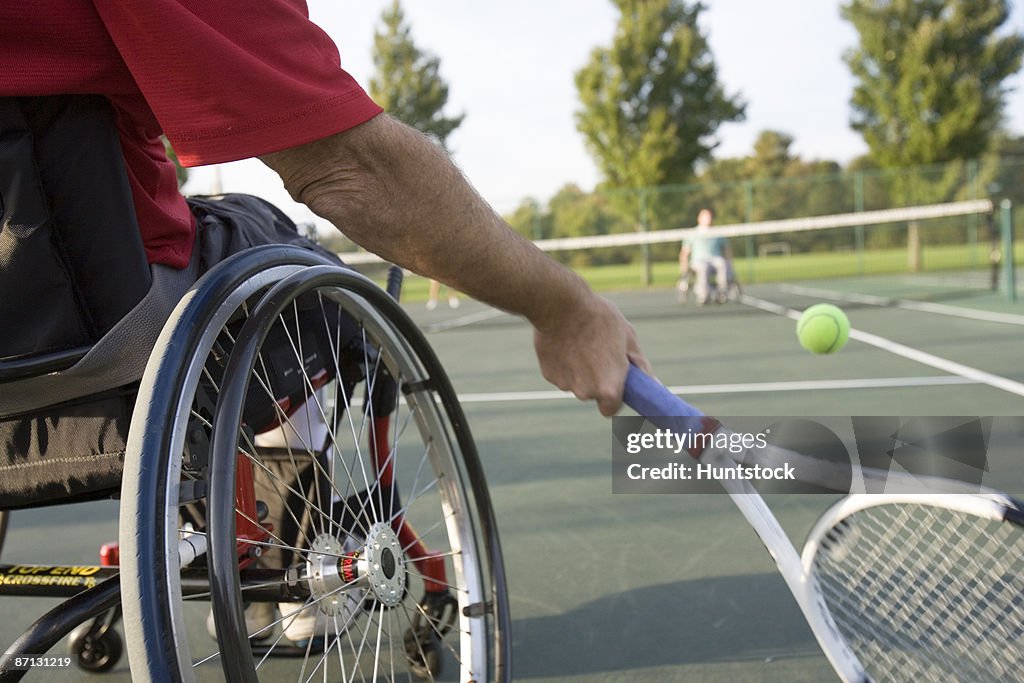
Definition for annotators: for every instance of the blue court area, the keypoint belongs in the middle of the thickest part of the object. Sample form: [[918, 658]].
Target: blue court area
[[670, 588]]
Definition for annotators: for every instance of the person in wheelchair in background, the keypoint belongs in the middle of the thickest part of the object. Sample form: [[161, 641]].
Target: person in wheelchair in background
[[705, 266]]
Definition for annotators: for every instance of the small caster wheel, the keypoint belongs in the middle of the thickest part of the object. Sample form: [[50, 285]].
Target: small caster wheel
[[95, 650]]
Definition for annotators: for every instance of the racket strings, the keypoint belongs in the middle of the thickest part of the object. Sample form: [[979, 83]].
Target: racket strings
[[926, 593]]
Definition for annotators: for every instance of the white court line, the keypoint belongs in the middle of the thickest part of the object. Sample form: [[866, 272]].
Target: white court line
[[462, 321], [922, 306], [740, 388], [909, 352]]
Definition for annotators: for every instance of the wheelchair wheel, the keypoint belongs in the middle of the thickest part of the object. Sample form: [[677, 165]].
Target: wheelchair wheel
[[366, 547], [3, 528]]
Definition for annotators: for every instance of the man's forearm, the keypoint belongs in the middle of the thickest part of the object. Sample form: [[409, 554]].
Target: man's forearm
[[395, 193]]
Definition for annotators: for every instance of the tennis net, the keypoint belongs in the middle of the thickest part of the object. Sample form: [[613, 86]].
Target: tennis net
[[964, 236]]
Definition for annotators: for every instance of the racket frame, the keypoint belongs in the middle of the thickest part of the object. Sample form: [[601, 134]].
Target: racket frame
[[779, 546], [797, 569], [992, 506]]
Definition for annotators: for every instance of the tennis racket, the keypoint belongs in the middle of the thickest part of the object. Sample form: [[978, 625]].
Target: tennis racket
[[895, 586]]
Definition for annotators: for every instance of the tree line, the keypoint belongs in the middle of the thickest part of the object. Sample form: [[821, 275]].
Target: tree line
[[929, 94]]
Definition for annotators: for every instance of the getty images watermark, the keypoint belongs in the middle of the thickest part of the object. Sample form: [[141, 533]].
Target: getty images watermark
[[697, 442], [657, 455]]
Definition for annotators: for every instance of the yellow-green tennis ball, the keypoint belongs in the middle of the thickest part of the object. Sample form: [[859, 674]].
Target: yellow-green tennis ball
[[823, 328]]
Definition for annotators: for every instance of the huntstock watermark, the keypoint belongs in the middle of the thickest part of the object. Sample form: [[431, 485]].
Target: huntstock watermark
[[855, 454]]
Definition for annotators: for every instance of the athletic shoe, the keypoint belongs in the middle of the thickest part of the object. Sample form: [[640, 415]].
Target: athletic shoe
[[431, 304], [453, 302], [258, 616], [303, 623]]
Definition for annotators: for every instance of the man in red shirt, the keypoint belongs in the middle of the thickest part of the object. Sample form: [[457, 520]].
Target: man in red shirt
[[232, 80]]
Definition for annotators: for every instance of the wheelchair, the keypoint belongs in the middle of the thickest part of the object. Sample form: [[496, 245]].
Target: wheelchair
[[300, 495], [686, 285]]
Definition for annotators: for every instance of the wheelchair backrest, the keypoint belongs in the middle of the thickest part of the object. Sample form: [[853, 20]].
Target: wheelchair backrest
[[72, 263]]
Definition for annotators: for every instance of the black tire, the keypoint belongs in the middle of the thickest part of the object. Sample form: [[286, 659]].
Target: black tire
[[4, 516], [151, 588], [163, 644]]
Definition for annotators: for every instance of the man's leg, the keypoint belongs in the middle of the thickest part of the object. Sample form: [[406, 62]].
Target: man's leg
[[700, 286], [721, 276], [304, 430], [435, 290]]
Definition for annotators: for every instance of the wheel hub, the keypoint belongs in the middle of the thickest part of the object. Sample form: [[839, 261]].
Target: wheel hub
[[383, 564], [339, 577], [325, 576]]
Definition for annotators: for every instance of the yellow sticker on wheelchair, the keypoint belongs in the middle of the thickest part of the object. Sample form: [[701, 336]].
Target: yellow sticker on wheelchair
[[46, 575]]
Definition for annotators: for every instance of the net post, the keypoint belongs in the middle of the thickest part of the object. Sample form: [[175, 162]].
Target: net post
[[914, 260], [1006, 229]]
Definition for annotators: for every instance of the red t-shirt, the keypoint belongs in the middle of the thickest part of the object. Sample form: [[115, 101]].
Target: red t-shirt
[[223, 79]]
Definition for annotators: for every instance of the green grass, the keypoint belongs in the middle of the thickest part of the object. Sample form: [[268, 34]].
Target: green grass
[[796, 267], [810, 266]]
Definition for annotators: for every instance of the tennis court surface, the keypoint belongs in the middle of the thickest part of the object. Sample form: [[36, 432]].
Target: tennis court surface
[[608, 587], [675, 587]]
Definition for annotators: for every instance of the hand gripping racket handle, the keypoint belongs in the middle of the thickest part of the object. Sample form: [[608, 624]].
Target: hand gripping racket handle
[[650, 399]]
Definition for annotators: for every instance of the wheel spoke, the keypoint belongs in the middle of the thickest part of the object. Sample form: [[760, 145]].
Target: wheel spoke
[[329, 500]]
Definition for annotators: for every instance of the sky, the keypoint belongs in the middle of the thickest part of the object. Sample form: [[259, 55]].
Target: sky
[[510, 68]]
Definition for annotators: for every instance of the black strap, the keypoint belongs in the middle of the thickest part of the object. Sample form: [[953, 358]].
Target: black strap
[[71, 256]]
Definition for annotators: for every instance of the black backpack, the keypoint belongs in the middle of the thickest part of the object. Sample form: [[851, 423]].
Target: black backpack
[[72, 262]]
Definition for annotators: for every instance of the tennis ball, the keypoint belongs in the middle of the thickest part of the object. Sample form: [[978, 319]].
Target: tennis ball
[[823, 328]]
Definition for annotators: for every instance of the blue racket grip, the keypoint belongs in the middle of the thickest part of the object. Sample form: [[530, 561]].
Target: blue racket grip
[[650, 399]]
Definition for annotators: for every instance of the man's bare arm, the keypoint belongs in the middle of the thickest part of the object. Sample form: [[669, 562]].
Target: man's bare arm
[[394, 192]]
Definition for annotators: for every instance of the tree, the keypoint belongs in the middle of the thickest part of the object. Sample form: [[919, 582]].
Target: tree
[[530, 220], [407, 83], [571, 212], [772, 183], [929, 89], [575, 213], [651, 101]]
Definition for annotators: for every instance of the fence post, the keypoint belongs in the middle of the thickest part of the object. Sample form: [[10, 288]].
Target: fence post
[[972, 220], [1009, 275], [645, 248], [858, 206], [538, 232], [748, 191]]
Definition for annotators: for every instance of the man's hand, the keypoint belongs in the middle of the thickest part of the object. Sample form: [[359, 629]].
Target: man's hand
[[588, 350]]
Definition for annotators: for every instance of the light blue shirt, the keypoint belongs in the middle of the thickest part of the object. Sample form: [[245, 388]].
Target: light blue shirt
[[705, 248]]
